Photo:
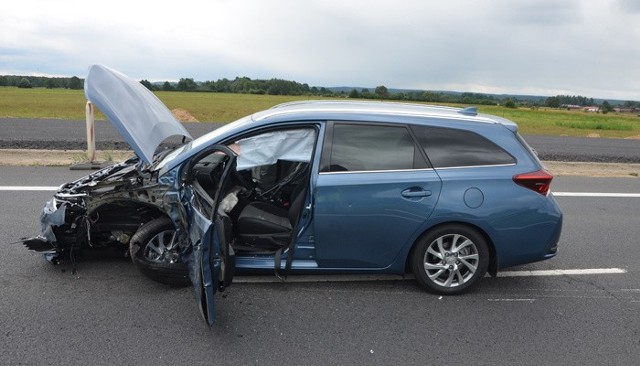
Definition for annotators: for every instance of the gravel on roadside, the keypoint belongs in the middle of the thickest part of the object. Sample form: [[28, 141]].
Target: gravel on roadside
[[30, 157]]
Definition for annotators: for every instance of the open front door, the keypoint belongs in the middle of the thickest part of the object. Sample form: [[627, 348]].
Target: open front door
[[212, 261]]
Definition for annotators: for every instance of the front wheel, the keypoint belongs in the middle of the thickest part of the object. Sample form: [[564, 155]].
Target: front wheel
[[154, 251], [450, 259]]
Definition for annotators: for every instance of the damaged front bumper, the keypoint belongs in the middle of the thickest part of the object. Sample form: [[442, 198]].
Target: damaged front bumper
[[52, 215], [53, 223]]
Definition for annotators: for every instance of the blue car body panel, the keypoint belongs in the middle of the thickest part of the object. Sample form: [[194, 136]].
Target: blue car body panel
[[360, 222], [518, 222]]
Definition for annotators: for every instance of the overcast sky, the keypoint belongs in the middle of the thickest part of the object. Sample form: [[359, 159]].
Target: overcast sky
[[538, 47]]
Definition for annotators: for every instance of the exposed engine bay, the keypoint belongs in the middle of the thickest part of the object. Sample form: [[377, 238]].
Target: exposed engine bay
[[102, 209]]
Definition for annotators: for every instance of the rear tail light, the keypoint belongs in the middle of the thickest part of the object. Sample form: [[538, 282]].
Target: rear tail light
[[539, 181]]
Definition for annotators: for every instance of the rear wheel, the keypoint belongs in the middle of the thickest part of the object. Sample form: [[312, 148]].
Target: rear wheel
[[154, 251], [450, 259]]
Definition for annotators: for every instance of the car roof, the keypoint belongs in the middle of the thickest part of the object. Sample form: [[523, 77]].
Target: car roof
[[341, 109], [337, 110]]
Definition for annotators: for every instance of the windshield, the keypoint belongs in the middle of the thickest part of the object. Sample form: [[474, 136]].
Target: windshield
[[208, 139]]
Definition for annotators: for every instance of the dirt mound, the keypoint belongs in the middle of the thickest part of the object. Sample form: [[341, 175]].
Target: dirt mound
[[183, 115], [636, 137]]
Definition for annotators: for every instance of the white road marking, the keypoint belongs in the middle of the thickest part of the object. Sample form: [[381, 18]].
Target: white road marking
[[321, 278], [596, 194], [512, 300], [562, 272], [366, 277], [28, 188]]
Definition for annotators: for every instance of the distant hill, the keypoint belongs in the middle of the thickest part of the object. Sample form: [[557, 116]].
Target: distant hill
[[534, 99]]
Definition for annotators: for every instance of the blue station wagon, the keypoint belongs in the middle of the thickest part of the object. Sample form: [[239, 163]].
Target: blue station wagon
[[444, 193]]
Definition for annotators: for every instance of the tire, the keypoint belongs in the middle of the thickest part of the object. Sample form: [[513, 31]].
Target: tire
[[450, 260], [153, 259]]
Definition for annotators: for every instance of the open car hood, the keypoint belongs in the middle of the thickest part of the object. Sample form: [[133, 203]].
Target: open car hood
[[140, 117]]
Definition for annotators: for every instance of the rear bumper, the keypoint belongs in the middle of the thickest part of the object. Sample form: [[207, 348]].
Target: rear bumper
[[537, 241], [552, 249]]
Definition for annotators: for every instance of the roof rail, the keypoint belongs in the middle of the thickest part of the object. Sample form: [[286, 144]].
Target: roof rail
[[295, 102]]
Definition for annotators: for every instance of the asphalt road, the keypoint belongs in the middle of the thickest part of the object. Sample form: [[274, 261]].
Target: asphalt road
[[110, 314], [71, 135]]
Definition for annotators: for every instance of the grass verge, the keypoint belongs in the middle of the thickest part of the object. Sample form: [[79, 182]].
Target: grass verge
[[39, 103]]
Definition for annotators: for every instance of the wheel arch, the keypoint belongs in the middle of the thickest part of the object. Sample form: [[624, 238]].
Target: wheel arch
[[493, 260], [146, 211], [166, 270]]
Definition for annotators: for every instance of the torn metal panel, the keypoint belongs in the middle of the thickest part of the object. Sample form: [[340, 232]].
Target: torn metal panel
[[51, 216]]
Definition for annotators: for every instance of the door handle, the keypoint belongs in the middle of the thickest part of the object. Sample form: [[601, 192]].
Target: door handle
[[412, 193]]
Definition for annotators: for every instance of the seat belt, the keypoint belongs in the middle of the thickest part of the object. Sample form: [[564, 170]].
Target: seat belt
[[276, 265], [291, 247], [289, 260]]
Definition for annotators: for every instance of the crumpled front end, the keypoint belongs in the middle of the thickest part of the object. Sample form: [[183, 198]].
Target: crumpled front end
[[51, 216], [60, 222], [101, 210]]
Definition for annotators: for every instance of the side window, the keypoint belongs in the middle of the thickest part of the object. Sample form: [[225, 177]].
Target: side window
[[449, 147], [276, 158], [269, 147], [359, 147]]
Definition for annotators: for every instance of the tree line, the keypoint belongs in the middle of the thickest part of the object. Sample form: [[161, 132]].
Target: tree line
[[247, 85], [569, 101], [73, 82], [242, 85], [565, 100]]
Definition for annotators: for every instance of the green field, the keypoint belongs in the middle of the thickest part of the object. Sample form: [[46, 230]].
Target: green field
[[221, 107]]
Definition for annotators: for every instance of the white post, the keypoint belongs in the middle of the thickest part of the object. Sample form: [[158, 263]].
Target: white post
[[91, 133]]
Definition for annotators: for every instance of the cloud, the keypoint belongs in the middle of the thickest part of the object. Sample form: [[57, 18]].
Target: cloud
[[632, 6], [543, 46]]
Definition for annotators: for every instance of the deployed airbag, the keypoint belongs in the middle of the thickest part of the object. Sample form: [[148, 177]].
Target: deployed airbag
[[268, 148]]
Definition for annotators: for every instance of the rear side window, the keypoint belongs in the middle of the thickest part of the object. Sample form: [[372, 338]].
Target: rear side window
[[357, 147], [448, 147]]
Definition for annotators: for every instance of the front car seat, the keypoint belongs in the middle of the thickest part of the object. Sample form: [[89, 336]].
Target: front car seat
[[266, 226]]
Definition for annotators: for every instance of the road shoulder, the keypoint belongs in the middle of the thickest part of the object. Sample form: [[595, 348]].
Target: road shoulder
[[22, 157]]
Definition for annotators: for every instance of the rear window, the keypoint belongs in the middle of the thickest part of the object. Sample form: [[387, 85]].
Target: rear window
[[358, 147], [449, 147]]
